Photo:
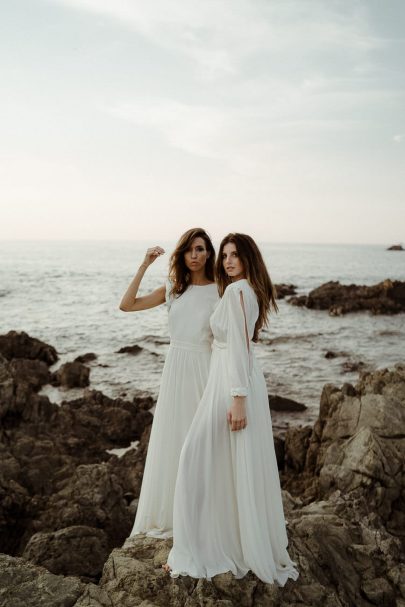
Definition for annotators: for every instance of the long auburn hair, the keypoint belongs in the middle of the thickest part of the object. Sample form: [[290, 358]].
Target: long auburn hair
[[179, 274], [256, 274]]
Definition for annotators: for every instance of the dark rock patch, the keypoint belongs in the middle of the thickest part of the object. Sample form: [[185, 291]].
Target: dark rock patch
[[85, 358], [387, 297], [135, 349], [280, 403], [72, 375], [20, 345], [396, 247], [285, 289]]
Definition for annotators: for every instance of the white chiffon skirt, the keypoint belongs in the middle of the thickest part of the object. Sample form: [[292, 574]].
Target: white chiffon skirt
[[228, 511], [183, 381]]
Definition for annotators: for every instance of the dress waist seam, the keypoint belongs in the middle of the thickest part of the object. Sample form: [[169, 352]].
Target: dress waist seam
[[185, 345]]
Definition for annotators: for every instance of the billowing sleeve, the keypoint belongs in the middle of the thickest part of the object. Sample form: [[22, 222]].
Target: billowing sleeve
[[237, 343]]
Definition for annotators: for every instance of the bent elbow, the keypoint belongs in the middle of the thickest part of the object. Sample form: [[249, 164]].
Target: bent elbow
[[123, 308]]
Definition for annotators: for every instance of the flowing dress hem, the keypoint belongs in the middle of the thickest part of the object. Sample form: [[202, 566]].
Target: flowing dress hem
[[281, 579]]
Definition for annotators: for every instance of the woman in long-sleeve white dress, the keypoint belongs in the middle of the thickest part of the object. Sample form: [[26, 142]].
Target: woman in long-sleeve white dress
[[228, 512], [190, 294]]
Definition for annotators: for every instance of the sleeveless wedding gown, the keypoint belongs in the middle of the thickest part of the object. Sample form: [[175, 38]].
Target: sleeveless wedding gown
[[184, 377]]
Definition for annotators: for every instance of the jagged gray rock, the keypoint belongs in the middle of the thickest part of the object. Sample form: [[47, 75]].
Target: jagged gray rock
[[25, 585], [76, 550]]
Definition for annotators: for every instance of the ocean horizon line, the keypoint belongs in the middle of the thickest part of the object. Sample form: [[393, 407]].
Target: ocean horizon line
[[171, 241]]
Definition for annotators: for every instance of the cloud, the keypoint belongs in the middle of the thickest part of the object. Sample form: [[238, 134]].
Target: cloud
[[219, 36]]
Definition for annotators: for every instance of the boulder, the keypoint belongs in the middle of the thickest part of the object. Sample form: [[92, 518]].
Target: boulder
[[102, 422], [33, 372], [19, 403], [20, 345], [283, 290], [78, 550], [281, 403], [72, 375], [135, 349], [25, 585], [85, 358], [387, 297], [92, 497]]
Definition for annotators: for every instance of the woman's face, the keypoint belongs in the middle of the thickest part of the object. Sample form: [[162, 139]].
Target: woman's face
[[231, 262], [196, 256]]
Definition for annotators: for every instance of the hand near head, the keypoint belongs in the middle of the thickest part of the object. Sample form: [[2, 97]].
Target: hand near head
[[236, 415], [152, 254]]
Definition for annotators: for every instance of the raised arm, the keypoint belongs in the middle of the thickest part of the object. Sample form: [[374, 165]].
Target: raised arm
[[130, 302]]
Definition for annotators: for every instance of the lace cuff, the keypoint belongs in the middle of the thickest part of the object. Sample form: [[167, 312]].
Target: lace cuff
[[239, 392]]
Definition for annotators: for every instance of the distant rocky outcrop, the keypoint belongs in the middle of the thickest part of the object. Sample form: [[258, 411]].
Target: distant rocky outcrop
[[387, 297], [283, 289], [396, 247]]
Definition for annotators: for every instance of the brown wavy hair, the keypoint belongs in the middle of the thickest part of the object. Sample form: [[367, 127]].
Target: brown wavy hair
[[256, 274], [179, 274]]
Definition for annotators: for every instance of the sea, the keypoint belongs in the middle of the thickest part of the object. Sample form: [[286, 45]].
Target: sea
[[67, 294]]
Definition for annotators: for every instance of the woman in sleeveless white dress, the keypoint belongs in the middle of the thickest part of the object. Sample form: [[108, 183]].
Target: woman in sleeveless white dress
[[183, 380], [228, 512]]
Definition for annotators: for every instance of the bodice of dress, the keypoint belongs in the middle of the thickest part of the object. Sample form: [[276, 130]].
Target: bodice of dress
[[189, 314], [233, 327]]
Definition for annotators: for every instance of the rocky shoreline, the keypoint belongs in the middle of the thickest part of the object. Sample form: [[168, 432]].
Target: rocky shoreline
[[387, 297], [67, 501]]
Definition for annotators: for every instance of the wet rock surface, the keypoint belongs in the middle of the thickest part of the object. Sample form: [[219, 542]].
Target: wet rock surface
[[387, 297]]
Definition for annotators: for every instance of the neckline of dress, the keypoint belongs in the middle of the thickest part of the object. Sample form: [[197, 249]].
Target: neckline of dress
[[210, 284]]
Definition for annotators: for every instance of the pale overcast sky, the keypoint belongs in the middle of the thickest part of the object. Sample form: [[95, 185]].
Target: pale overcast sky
[[135, 120]]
